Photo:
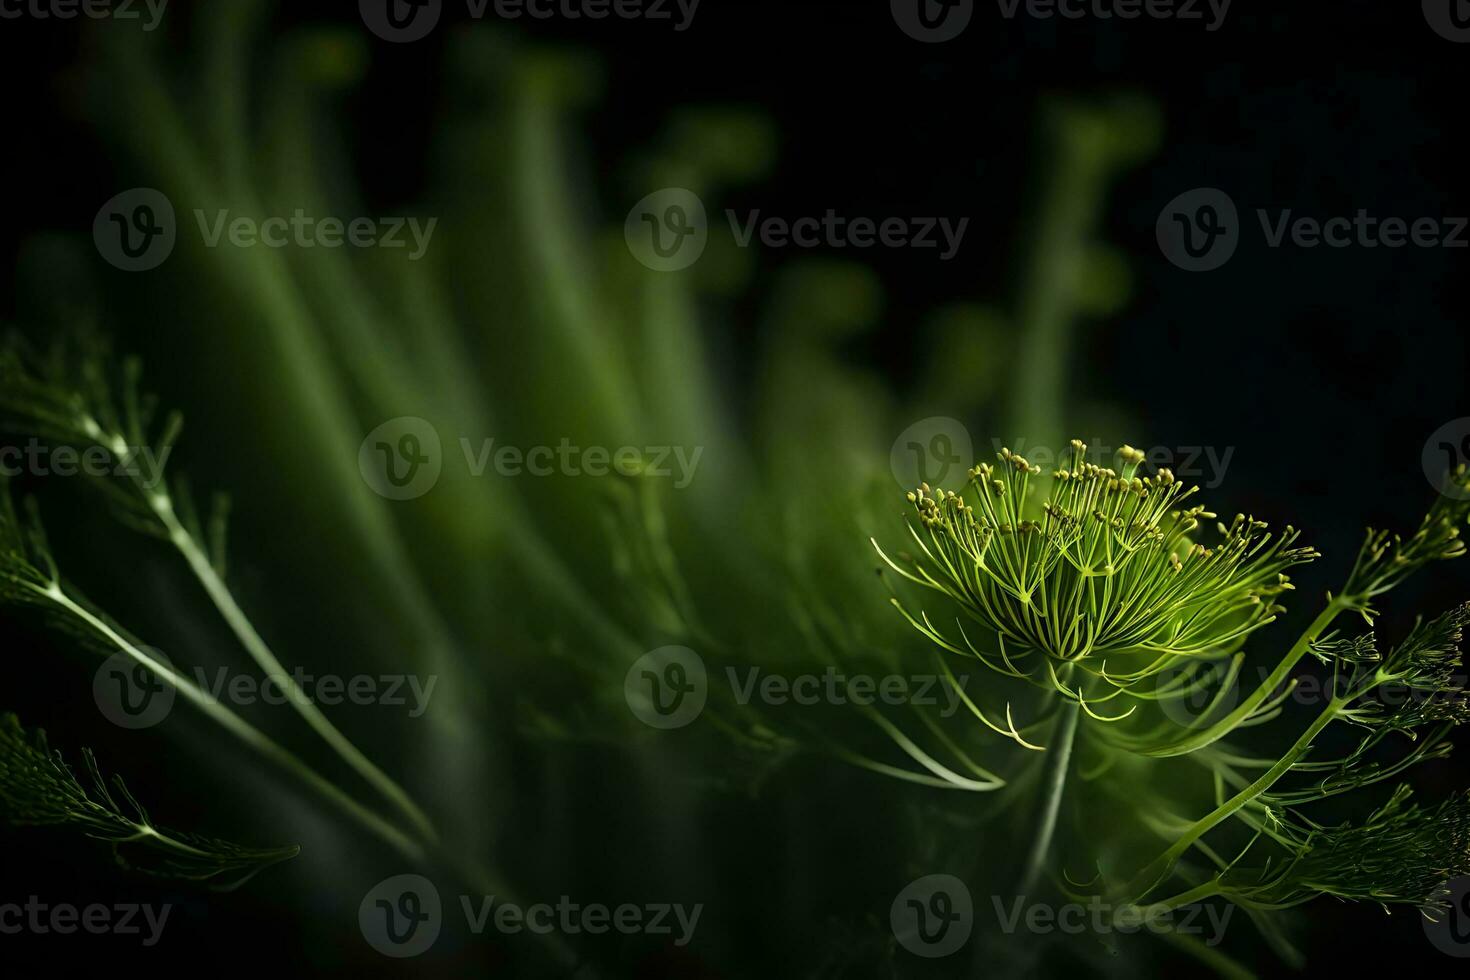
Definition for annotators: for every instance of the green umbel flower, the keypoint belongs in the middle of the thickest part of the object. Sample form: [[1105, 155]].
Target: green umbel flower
[[1109, 565]]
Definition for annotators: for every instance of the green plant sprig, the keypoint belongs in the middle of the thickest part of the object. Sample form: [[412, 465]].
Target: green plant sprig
[[1107, 583], [1422, 664], [1400, 855], [66, 397], [1384, 561], [38, 788], [29, 576]]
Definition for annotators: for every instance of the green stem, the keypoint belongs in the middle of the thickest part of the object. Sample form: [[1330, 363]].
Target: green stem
[[240, 728], [141, 831], [1208, 889], [1056, 781], [1273, 682], [244, 630], [1153, 873]]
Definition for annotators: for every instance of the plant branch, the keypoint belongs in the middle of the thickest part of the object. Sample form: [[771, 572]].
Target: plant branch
[[260, 652]]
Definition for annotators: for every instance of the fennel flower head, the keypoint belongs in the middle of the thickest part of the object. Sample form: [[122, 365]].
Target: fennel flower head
[[1090, 563]]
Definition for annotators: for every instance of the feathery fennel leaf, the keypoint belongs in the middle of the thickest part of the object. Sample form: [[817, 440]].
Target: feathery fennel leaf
[[1401, 854], [71, 396], [29, 577], [38, 788]]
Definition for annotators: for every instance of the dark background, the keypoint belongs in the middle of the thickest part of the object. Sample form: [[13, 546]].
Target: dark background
[[1326, 369], [1337, 359]]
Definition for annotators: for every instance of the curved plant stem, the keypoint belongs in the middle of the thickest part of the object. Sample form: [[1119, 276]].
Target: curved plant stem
[[1154, 873], [239, 727], [244, 630], [1271, 683], [1200, 892], [1055, 784]]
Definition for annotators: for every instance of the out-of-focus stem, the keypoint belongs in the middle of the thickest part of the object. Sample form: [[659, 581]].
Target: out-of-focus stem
[[1055, 785], [244, 630]]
